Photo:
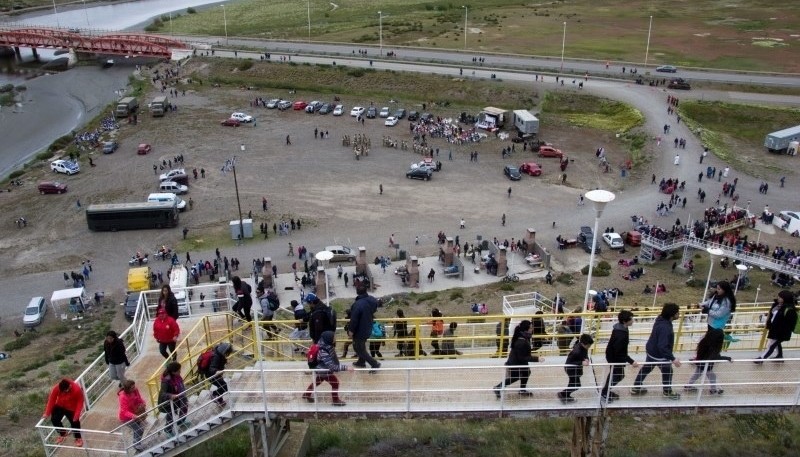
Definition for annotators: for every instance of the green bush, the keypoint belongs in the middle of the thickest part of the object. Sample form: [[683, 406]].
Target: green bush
[[191, 10], [16, 174], [507, 287], [6, 88], [456, 294], [565, 278], [44, 156], [603, 265], [21, 88], [25, 340], [61, 143], [427, 296], [245, 65]]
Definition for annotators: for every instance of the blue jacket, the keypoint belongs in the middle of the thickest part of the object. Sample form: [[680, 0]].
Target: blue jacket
[[662, 339], [362, 314], [719, 311]]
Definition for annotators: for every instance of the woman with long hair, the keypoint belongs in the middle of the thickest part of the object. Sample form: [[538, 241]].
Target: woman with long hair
[[708, 349], [781, 322], [720, 306], [168, 302], [518, 358]]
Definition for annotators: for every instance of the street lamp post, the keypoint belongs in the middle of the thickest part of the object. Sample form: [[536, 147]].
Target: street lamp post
[[466, 13], [647, 50], [55, 10], [225, 21], [308, 6], [85, 12], [741, 270], [230, 165], [713, 252], [563, 44], [380, 31], [600, 198]]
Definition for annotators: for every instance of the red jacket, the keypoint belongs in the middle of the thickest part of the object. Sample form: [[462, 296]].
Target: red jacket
[[71, 401], [129, 404], [166, 329]]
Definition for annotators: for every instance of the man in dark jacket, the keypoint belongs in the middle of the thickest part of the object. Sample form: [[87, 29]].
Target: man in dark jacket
[[361, 318], [659, 353], [578, 358], [244, 298], [617, 353], [215, 368], [320, 319], [116, 358]]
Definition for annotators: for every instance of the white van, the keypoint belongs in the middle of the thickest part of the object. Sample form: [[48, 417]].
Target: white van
[[173, 187], [178, 280], [167, 198]]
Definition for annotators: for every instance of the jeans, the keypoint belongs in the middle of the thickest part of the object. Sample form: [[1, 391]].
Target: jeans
[[666, 373], [360, 346], [137, 427], [710, 375], [773, 345], [117, 372]]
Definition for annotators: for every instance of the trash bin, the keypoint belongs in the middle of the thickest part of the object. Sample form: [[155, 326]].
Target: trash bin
[[401, 255]]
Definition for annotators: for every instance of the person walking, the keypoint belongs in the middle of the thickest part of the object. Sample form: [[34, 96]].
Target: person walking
[[617, 353], [781, 322], [400, 331], [168, 302], [65, 400], [518, 358], [327, 365], [131, 411], [361, 318], [437, 330], [244, 298], [214, 373], [320, 317], [172, 398], [576, 360], [708, 349], [166, 332], [115, 356], [509, 192], [659, 353]]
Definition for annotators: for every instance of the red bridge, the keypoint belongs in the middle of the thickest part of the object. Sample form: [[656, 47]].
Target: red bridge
[[127, 44]]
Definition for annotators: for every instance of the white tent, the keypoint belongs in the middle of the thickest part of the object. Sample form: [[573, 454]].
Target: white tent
[[76, 296]]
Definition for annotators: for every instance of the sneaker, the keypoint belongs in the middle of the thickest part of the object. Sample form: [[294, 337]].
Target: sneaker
[[496, 390], [638, 391], [78, 442], [339, 403], [375, 369], [692, 389], [60, 439], [672, 395], [525, 393], [716, 391], [759, 361]]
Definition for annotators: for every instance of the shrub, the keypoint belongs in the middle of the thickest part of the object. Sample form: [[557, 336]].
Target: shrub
[[6, 88], [16, 174], [457, 294], [44, 155], [603, 265], [507, 287], [245, 65], [190, 10], [427, 296], [61, 143], [21, 88], [565, 278], [21, 342]]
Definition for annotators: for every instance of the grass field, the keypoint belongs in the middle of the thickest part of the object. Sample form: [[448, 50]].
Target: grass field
[[757, 35]]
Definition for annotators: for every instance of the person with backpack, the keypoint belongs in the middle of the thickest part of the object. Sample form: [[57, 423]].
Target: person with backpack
[[325, 365], [321, 319], [361, 318], [115, 356], [708, 350], [244, 298], [377, 339], [214, 372], [268, 308], [518, 358], [617, 353], [577, 358], [172, 399], [781, 322]]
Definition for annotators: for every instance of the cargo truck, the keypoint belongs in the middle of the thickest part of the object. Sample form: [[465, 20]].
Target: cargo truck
[[126, 107], [526, 123], [783, 141], [159, 106]]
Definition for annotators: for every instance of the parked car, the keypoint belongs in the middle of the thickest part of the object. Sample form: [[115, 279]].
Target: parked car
[[51, 187], [241, 117], [67, 167], [144, 149], [512, 173], [391, 121], [131, 301], [427, 162], [338, 110], [272, 104], [400, 113], [371, 112], [549, 151], [299, 105], [357, 111], [585, 239], [34, 312], [284, 105], [230, 123], [679, 84], [423, 173], [110, 146], [341, 254], [531, 168], [172, 174], [667, 69], [313, 107], [413, 116], [326, 108], [426, 117], [384, 112], [613, 240]]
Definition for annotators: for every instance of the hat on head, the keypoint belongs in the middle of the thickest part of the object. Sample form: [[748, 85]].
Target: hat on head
[[311, 298]]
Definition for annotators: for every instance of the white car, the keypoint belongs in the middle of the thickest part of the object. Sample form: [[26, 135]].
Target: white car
[[67, 167], [338, 110], [241, 117], [171, 174], [357, 111], [391, 121], [613, 240], [384, 112], [34, 312], [272, 104]]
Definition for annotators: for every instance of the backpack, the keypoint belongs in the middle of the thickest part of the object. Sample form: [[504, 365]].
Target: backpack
[[325, 321], [378, 330], [204, 361], [273, 302], [312, 356]]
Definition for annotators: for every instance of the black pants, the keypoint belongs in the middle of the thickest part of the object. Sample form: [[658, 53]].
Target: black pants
[[221, 386], [574, 374], [162, 348], [617, 374], [244, 311], [360, 346], [57, 417], [777, 344], [517, 374], [179, 407]]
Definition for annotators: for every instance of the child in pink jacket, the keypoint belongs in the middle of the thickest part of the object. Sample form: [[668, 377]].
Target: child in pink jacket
[[131, 410]]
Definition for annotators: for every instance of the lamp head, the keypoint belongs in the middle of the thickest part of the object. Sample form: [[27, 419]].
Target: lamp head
[[599, 198], [714, 252]]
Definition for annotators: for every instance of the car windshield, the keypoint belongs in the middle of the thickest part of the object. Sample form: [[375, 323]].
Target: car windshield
[[31, 310]]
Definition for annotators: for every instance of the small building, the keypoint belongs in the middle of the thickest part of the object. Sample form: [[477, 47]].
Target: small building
[[491, 118]]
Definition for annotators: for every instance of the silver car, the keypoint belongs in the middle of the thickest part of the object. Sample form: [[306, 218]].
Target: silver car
[[341, 254]]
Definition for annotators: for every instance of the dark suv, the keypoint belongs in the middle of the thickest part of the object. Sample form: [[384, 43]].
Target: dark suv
[[400, 113], [413, 116], [371, 112], [585, 240], [131, 301], [680, 84]]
